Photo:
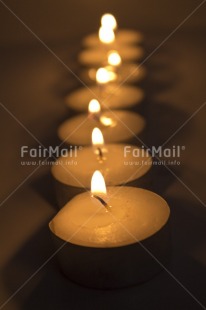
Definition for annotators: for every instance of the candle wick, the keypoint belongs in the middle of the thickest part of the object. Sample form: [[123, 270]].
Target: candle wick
[[100, 153], [108, 208], [95, 117]]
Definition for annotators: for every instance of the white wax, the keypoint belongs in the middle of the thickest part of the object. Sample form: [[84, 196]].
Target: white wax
[[122, 37], [136, 214], [127, 73], [78, 130], [113, 97], [98, 56], [113, 166]]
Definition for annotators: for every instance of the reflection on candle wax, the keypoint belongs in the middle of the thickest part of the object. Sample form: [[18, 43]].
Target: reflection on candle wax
[[107, 121]]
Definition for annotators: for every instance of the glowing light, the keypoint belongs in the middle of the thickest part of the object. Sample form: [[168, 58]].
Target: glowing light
[[97, 137], [106, 35], [98, 184], [106, 121], [114, 58], [104, 76], [94, 106], [109, 21]]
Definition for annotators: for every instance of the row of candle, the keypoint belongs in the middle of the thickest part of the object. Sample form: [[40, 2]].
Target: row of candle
[[106, 222]]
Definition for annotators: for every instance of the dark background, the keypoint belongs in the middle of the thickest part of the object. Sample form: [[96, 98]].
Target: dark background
[[33, 85]]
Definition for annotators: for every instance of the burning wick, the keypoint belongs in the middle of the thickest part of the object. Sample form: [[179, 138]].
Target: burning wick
[[94, 109], [98, 188], [106, 31], [109, 21], [106, 35], [108, 208], [114, 59], [98, 141], [100, 153], [105, 75]]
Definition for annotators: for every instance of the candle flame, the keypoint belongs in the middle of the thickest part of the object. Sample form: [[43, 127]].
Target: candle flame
[[94, 106], [108, 20], [103, 76], [106, 35], [97, 137], [98, 184], [114, 58]]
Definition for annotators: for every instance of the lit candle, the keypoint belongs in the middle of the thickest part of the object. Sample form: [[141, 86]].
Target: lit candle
[[106, 35], [99, 234], [111, 95], [122, 36], [94, 109], [122, 126], [96, 54], [105, 75], [98, 142], [107, 40], [125, 72], [114, 59], [108, 21], [97, 57], [72, 173]]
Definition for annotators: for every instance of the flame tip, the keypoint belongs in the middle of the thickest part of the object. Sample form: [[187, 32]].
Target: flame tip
[[106, 34], [104, 75], [98, 183], [94, 106], [97, 137], [114, 59], [108, 20]]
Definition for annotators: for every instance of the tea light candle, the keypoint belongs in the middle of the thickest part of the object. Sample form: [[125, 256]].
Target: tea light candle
[[122, 36], [72, 173], [101, 231], [116, 127], [97, 56], [113, 97], [127, 73]]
